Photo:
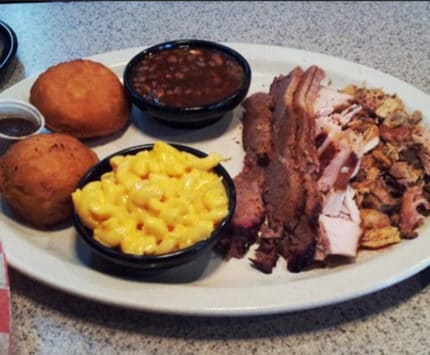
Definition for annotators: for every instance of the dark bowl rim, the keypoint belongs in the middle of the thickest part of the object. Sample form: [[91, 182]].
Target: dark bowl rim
[[216, 106], [130, 259], [8, 36]]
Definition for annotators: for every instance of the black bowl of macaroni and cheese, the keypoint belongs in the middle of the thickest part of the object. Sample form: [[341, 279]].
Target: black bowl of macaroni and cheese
[[154, 206], [187, 83]]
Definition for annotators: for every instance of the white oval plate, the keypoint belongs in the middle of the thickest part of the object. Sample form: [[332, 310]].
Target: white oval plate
[[225, 288]]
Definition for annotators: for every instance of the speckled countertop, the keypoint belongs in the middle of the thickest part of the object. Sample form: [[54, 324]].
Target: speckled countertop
[[392, 37]]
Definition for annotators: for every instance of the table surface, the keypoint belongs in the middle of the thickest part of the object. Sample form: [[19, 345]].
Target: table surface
[[392, 37]]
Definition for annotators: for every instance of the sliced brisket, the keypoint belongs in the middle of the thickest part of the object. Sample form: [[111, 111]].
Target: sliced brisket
[[266, 255], [282, 180], [250, 209], [302, 236], [278, 182], [291, 195], [257, 127]]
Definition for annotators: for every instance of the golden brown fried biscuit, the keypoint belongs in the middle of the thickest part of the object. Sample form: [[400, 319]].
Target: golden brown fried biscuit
[[39, 173], [82, 98]]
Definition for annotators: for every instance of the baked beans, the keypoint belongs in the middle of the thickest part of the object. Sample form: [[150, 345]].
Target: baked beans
[[187, 76]]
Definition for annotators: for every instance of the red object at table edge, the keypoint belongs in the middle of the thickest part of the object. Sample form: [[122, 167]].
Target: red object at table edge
[[4, 305]]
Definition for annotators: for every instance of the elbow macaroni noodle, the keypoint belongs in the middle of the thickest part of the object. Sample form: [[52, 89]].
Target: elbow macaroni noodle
[[155, 202]]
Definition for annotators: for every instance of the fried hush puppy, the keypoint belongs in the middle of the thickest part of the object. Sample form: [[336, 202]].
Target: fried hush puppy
[[82, 98], [38, 175]]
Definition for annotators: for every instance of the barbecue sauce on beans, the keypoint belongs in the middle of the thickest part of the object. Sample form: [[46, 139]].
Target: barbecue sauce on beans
[[187, 77]]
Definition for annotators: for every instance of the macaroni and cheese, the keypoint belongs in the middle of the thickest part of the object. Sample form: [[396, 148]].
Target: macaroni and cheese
[[155, 202]]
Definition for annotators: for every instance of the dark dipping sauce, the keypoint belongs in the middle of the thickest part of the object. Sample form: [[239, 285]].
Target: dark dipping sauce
[[17, 126], [187, 77]]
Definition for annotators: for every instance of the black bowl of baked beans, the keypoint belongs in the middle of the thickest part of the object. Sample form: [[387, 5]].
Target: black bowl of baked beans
[[187, 83]]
